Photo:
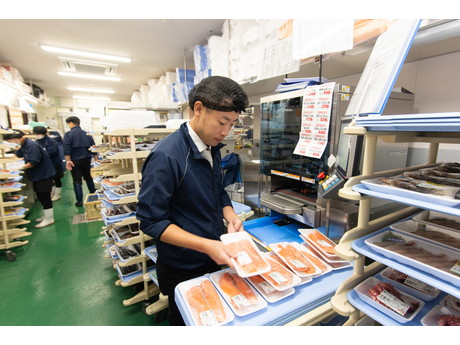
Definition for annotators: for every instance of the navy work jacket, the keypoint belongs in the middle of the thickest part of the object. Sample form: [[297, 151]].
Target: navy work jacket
[[180, 187], [51, 148], [77, 144], [36, 155]]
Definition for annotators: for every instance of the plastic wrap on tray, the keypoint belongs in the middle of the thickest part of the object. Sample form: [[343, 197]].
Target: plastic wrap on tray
[[441, 316], [204, 303], [409, 284], [294, 259], [396, 304], [431, 258], [237, 292], [451, 302], [249, 260], [279, 276]]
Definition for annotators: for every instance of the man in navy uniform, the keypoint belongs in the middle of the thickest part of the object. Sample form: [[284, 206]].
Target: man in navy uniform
[[52, 149], [39, 170], [182, 201], [78, 157]]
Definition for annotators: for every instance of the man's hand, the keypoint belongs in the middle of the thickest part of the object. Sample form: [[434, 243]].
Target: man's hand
[[235, 225], [69, 165], [217, 251]]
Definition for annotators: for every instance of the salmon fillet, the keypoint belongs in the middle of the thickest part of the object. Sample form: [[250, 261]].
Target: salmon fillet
[[295, 258], [237, 290], [248, 258], [279, 275], [323, 242], [205, 301]]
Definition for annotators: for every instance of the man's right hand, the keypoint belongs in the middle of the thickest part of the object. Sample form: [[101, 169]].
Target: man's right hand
[[69, 165], [217, 251]]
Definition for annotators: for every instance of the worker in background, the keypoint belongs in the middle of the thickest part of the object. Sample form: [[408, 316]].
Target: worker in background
[[78, 157], [51, 148], [182, 202], [39, 170]]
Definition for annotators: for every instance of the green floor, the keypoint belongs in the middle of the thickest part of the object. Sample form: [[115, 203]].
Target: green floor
[[62, 277]]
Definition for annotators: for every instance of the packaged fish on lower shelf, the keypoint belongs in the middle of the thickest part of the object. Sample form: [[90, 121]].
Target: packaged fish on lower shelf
[[206, 306], [237, 292], [409, 284], [389, 300], [451, 302], [441, 316]]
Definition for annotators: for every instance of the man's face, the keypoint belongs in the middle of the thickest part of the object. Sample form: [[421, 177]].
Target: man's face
[[214, 126]]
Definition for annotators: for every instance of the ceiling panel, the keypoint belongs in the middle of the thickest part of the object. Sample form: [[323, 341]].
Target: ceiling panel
[[155, 45]]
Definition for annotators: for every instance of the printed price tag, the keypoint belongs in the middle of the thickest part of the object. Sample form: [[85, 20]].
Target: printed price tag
[[419, 285], [240, 301], [393, 302], [208, 318], [324, 243], [243, 258], [297, 264], [456, 268], [278, 277], [268, 289]]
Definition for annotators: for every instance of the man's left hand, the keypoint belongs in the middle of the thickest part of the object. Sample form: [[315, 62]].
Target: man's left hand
[[235, 225]]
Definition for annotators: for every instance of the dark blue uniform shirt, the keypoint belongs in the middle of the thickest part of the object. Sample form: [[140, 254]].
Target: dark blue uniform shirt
[[51, 148], [36, 155], [180, 187], [77, 144]]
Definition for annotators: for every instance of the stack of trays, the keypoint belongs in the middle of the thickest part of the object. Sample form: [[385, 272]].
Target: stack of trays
[[429, 122]]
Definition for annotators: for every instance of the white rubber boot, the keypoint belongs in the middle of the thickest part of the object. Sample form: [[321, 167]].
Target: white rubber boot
[[52, 191], [57, 194], [48, 219], [38, 220]]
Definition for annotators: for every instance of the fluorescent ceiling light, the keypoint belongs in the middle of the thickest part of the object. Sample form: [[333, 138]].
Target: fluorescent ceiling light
[[92, 98], [88, 76], [89, 90], [85, 54]]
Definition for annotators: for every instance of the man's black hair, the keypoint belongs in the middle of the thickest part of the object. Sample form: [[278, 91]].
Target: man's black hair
[[219, 93], [75, 120], [16, 135], [40, 130]]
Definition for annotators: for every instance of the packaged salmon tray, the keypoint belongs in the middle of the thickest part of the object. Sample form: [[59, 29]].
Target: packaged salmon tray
[[279, 277], [267, 291], [303, 280], [249, 259], [322, 243], [205, 304], [242, 298], [323, 267], [335, 265], [294, 259]]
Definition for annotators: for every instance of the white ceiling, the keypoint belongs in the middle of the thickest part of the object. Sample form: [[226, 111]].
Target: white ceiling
[[155, 45]]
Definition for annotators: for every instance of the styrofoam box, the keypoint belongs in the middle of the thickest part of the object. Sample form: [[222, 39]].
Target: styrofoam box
[[431, 318], [185, 286], [362, 290], [432, 248], [243, 257], [245, 309], [431, 293]]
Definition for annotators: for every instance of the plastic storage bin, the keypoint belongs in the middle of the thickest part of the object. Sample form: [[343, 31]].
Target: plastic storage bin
[[92, 206]]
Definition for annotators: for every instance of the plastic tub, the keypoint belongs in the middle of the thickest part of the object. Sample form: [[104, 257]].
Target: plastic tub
[[362, 291]]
